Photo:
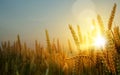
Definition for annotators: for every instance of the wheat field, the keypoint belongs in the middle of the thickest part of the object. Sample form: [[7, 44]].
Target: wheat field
[[90, 59]]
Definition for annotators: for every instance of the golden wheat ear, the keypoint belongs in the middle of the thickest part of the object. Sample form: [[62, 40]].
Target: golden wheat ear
[[75, 37], [25, 46], [100, 21], [48, 41], [79, 34], [116, 36], [112, 16], [19, 42], [58, 45], [69, 45]]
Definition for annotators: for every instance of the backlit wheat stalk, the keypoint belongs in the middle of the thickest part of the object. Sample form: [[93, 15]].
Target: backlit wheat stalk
[[112, 17]]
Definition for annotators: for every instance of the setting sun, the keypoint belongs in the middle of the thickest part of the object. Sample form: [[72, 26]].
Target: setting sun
[[99, 41]]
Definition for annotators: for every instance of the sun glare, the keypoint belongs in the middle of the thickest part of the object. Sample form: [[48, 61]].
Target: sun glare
[[99, 41]]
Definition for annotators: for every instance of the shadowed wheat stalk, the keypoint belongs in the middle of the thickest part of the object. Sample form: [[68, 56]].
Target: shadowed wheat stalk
[[48, 41]]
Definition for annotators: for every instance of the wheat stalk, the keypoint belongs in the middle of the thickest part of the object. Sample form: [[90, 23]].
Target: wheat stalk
[[75, 37], [111, 51], [69, 45], [58, 45], [112, 17], [19, 42], [101, 25], [116, 35], [48, 41], [79, 34]]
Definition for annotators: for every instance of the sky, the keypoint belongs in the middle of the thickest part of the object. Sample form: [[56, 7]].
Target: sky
[[30, 18]]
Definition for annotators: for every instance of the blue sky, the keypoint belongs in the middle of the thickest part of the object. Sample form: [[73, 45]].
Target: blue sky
[[30, 18]]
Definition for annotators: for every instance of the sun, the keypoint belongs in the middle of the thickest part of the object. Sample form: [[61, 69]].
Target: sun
[[99, 41]]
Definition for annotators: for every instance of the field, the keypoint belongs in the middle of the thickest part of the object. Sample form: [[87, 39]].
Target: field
[[98, 53]]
